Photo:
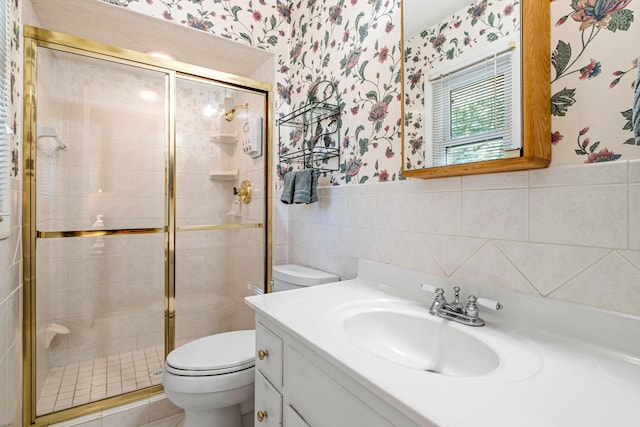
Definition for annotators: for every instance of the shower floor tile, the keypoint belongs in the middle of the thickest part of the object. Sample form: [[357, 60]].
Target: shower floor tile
[[89, 381]]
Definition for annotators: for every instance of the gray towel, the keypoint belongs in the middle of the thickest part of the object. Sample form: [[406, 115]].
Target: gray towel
[[302, 186], [636, 108], [287, 189], [314, 187]]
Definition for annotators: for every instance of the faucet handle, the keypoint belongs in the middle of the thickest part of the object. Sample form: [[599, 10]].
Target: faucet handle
[[489, 303], [428, 288], [438, 291], [471, 308]]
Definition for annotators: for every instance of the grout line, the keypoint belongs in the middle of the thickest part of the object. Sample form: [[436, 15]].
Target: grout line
[[97, 379]]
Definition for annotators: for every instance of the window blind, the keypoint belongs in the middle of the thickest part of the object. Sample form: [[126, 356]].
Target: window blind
[[5, 155], [473, 112]]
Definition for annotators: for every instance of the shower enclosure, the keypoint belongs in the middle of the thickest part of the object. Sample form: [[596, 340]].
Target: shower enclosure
[[145, 217]]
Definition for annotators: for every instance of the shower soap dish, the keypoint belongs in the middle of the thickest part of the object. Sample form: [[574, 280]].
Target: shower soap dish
[[51, 330], [225, 138], [224, 175]]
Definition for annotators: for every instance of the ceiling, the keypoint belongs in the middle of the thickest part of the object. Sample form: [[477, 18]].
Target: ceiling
[[117, 26], [421, 14]]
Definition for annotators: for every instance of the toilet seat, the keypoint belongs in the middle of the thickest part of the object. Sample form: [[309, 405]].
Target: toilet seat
[[217, 354]]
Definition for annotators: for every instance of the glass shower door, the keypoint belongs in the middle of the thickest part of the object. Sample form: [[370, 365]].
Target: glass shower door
[[101, 229], [220, 240]]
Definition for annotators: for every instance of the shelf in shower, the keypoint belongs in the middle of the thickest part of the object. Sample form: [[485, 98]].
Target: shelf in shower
[[225, 138], [224, 175]]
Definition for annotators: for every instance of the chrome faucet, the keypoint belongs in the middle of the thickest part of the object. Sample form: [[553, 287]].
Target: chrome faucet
[[467, 315]]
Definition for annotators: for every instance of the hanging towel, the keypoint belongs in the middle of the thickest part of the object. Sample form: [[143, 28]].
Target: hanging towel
[[314, 187], [636, 108], [287, 188], [302, 186]]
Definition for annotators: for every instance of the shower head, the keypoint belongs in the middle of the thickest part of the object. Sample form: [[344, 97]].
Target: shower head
[[228, 116]]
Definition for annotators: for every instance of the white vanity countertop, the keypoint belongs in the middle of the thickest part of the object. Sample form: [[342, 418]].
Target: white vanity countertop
[[563, 381]]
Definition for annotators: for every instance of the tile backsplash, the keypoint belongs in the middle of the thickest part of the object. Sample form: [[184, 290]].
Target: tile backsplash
[[566, 232]]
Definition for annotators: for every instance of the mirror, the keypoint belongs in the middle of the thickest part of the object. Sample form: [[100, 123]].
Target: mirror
[[441, 36]]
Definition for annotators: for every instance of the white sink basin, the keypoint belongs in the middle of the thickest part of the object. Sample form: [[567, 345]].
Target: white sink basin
[[425, 343]]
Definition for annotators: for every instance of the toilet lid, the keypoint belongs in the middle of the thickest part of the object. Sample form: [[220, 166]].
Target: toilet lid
[[214, 355]]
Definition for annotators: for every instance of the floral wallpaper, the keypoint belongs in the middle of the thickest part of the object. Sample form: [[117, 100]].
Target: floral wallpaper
[[257, 23], [354, 44], [475, 26], [594, 61], [15, 112]]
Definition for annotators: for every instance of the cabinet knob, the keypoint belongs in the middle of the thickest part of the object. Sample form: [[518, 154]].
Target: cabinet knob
[[261, 415], [262, 354]]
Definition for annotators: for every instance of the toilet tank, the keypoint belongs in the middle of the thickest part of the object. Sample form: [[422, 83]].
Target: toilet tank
[[293, 276]]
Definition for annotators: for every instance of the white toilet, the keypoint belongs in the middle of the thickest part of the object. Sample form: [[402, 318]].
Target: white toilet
[[212, 378]]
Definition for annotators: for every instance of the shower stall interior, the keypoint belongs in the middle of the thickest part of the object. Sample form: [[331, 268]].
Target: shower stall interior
[[136, 238]]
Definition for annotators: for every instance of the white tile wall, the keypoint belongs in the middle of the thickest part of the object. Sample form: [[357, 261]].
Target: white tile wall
[[499, 214], [11, 319], [566, 232], [594, 215]]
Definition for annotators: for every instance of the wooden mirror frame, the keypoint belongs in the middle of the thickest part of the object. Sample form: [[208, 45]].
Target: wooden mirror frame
[[536, 101]]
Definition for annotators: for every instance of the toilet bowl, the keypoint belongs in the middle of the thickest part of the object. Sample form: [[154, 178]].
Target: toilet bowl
[[212, 378]]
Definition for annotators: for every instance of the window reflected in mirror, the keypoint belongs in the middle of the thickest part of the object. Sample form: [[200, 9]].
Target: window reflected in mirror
[[470, 110], [467, 92]]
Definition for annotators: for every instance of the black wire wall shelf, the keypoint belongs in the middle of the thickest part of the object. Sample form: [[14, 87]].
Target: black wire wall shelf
[[310, 135]]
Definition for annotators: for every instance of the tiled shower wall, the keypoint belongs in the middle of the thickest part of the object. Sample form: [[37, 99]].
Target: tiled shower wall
[[567, 232]]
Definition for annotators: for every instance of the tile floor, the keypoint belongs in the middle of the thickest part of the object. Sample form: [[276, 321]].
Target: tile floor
[[79, 383], [174, 421]]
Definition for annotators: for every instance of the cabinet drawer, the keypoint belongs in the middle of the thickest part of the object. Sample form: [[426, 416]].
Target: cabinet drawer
[[321, 400], [269, 354], [268, 404], [293, 419]]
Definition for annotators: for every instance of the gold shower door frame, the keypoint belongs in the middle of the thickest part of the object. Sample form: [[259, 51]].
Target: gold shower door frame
[[35, 38]]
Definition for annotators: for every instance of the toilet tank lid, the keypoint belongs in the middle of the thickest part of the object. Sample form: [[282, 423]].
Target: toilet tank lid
[[302, 275]]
